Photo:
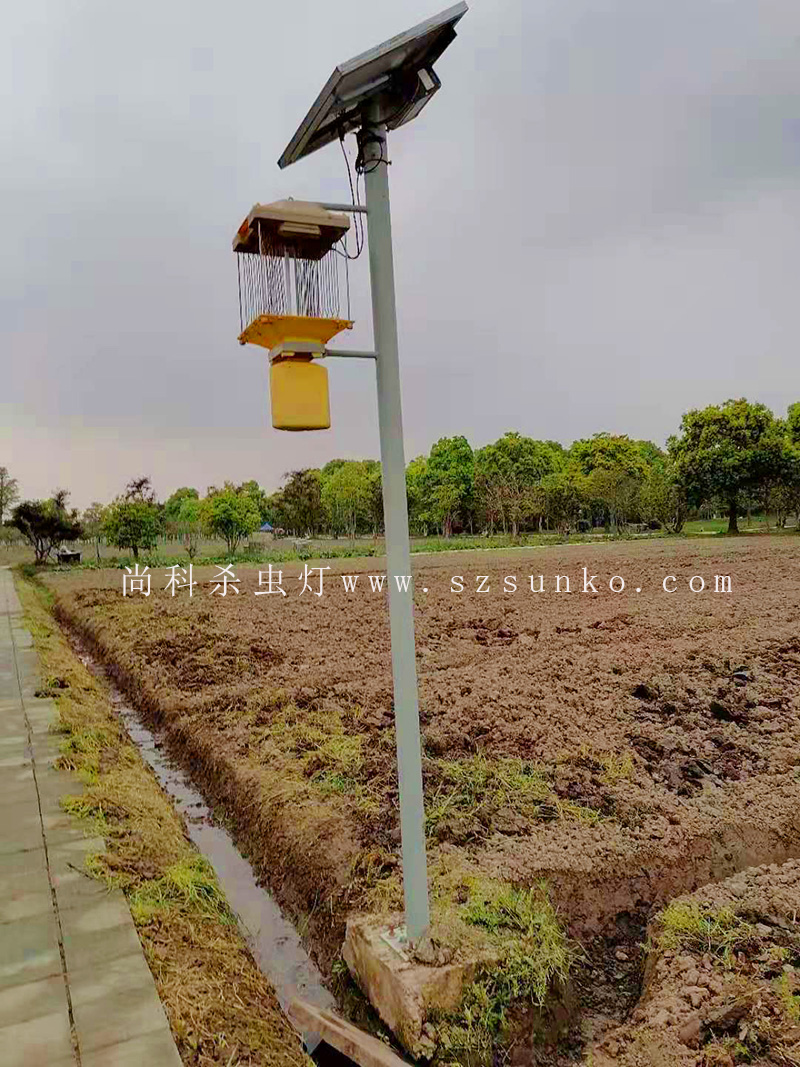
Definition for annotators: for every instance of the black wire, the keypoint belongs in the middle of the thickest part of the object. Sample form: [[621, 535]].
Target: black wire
[[366, 137], [358, 223]]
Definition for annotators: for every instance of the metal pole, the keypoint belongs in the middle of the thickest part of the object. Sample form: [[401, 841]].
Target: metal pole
[[350, 353], [398, 552], [354, 209]]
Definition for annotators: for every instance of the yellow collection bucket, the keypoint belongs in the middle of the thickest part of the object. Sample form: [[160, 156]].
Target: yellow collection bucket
[[299, 395]]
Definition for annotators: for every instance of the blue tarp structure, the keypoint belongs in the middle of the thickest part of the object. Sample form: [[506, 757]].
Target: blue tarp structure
[[266, 528]]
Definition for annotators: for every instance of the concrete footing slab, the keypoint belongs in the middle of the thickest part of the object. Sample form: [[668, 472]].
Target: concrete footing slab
[[403, 991]]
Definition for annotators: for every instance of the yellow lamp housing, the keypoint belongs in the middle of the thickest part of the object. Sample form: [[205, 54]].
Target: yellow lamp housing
[[299, 394], [290, 290]]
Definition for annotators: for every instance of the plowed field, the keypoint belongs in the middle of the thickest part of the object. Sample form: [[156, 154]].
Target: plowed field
[[628, 746]]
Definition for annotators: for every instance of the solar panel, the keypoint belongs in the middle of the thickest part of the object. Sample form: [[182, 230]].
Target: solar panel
[[398, 73]]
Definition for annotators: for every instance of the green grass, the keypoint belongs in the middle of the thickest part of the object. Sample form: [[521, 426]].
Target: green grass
[[212, 553], [757, 524], [617, 766], [80, 750], [90, 811], [790, 999], [189, 885], [327, 757], [478, 787], [700, 928], [534, 954]]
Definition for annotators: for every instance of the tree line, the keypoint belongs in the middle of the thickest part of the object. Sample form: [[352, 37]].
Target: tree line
[[728, 458]]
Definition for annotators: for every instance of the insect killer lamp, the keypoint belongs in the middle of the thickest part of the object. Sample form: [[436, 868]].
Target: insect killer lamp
[[290, 284]]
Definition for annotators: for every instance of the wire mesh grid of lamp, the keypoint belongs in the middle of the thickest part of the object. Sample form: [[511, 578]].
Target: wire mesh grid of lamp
[[279, 280]]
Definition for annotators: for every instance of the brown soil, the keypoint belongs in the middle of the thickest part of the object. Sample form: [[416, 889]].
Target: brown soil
[[664, 726], [700, 1006]]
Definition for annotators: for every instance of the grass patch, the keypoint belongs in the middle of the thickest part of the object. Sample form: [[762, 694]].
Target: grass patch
[[700, 928], [90, 811], [190, 886], [617, 766], [521, 927], [790, 998], [478, 788], [329, 757], [80, 750], [475, 917]]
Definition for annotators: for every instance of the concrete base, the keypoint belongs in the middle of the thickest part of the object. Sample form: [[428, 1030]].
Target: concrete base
[[403, 991]]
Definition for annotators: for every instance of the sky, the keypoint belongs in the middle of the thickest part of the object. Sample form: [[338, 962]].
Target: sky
[[596, 227]]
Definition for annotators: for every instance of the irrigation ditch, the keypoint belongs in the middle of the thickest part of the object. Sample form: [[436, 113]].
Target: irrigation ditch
[[273, 940]]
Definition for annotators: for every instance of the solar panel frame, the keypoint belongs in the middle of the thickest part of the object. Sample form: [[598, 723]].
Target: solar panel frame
[[386, 72]]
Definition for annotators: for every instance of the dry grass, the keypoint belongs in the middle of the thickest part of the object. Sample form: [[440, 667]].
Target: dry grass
[[220, 1006]]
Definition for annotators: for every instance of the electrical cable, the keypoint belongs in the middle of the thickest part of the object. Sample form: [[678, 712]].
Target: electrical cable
[[358, 223]]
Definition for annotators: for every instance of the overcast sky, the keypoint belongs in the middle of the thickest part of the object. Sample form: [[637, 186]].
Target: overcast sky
[[596, 226]]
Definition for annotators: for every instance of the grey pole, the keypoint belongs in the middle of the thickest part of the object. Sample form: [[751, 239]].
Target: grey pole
[[398, 552]]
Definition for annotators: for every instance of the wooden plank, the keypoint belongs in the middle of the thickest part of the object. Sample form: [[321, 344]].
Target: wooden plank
[[361, 1048]]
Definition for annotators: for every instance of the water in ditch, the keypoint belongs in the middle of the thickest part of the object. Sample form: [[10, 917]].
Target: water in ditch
[[274, 942]]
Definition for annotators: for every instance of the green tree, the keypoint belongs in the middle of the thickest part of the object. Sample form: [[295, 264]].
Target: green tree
[[132, 524], [47, 524], [508, 479], [615, 468], [564, 496], [610, 451], [331, 467], [302, 501], [258, 496], [276, 511], [9, 535], [229, 514], [450, 481], [9, 493], [663, 499], [374, 495], [653, 456], [172, 505], [617, 493], [792, 423], [189, 524], [93, 522], [490, 480], [728, 450], [140, 490], [419, 513], [345, 496]]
